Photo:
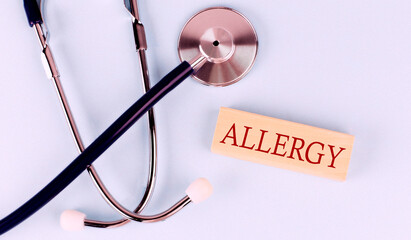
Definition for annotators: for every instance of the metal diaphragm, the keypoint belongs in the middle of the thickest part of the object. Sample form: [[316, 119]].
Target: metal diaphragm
[[228, 41]]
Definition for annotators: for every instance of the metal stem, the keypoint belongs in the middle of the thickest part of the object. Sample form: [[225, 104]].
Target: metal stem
[[51, 70]]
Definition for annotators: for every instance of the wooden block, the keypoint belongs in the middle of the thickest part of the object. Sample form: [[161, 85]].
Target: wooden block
[[282, 144]]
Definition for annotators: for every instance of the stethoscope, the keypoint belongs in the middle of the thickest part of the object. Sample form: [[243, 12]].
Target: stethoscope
[[217, 46]]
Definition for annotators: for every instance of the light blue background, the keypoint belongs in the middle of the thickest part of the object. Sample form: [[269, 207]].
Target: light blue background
[[340, 65]]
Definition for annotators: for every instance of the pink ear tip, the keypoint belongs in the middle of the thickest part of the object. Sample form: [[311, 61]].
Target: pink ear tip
[[71, 220], [199, 190]]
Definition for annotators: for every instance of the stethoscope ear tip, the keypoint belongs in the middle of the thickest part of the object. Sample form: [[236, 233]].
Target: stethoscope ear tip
[[72, 220], [199, 190]]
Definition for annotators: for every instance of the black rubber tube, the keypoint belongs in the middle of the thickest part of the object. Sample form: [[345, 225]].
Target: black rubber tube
[[33, 12]]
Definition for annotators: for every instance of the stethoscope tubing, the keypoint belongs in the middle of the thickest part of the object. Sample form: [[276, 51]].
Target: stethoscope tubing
[[152, 171], [99, 146], [52, 72]]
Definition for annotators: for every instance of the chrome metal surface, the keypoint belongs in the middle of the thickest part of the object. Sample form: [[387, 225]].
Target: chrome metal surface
[[141, 46], [55, 76], [206, 55], [138, 27], [228, 41], [198, 62], [52, 72], [152, 166], [42, 4], [142, 218], [132, 7], [139, 35]]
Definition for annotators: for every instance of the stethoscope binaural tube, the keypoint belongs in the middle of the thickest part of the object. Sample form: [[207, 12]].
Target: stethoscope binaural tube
[[100, 145], [34, 14], [221, 53]]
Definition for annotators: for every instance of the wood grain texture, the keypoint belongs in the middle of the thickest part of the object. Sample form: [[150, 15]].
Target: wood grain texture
[[282, 144]]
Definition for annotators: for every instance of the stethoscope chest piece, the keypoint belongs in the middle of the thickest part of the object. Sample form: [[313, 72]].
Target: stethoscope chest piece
[[228, 41]]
